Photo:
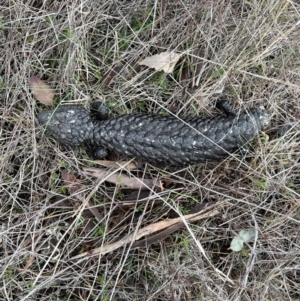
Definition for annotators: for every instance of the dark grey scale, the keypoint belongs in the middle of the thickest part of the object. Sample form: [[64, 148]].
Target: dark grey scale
[[130, 139], [178, 141], [157, 154], [187, 130], [165, 140], [117, 126], [117, 138], [112, 133], [139, 151], [130, 150], [138, 139], [147, 153]]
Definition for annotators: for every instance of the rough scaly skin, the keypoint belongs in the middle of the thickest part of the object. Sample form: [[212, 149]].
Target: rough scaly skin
[[154, 138]]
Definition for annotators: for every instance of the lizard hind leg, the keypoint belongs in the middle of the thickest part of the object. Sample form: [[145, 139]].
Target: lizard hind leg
[[225, 106], [99, 110], [96, 152]]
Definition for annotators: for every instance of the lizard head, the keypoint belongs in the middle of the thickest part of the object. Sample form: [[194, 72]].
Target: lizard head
[[261, 117], [70, 125]]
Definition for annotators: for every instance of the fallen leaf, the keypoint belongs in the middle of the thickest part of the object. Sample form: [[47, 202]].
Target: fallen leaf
[[237, 242], [117, 164], [147, 230], [29, 263], [41, 91], [74, 186], [119, 178], [199, 208], [144, 243], [165, 61], [140, 196]]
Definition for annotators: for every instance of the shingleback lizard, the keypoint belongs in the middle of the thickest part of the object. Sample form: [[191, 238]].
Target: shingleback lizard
[[156, 138]]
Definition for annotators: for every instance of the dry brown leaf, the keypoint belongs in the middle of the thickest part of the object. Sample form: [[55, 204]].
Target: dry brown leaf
[[74, 186], [28, 264], [119, 178], [146, 231], [144, 243], [140, 196], [165, 61], [41, 91], [113, 164], [168, 231]]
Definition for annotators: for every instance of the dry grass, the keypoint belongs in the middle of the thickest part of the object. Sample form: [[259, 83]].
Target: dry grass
[[245, 51]]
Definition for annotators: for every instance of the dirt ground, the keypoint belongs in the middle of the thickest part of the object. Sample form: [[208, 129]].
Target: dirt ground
[[73, 229]]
